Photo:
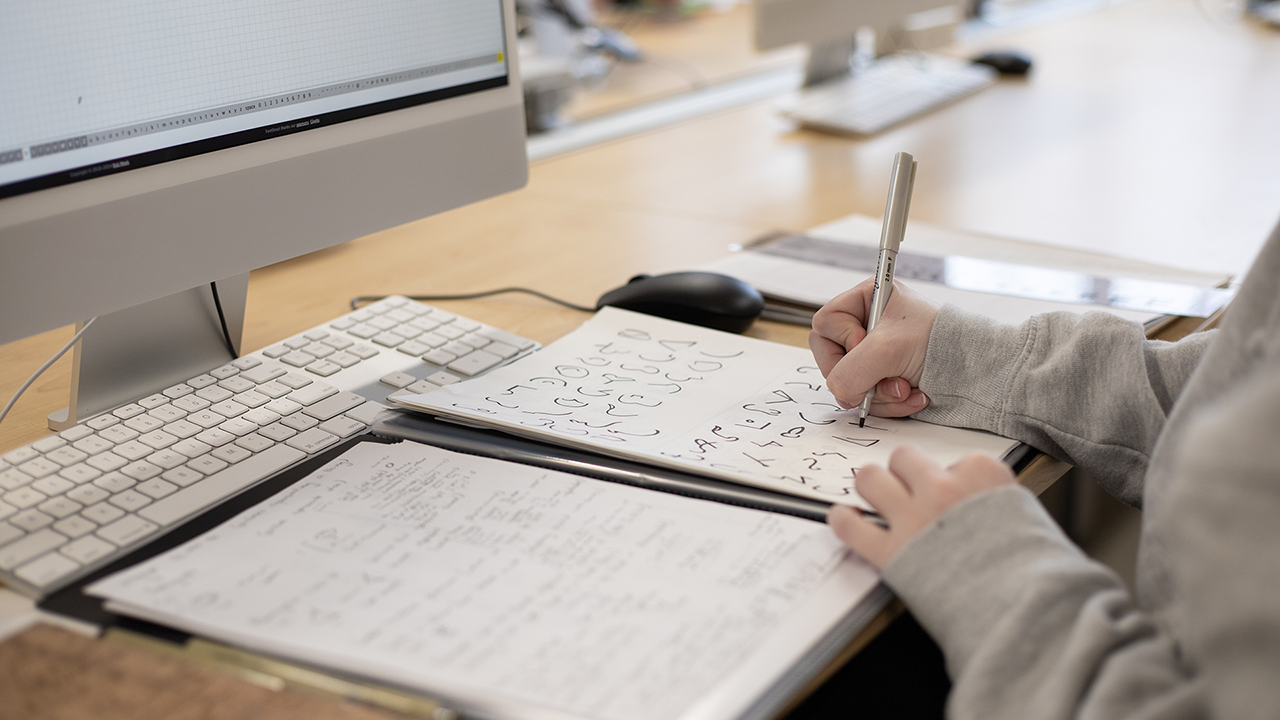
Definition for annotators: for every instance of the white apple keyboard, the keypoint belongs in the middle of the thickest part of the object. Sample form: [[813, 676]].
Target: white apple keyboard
[[73, 502]]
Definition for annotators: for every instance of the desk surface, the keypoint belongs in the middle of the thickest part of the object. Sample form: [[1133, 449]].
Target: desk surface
[[1146, 129]]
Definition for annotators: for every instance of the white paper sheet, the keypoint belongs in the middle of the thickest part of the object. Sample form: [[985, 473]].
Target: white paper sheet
[[698, 400], [525, 592]]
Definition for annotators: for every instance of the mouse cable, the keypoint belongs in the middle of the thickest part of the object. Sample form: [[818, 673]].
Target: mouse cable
[[359, 300], [70, 343], [222, 320]]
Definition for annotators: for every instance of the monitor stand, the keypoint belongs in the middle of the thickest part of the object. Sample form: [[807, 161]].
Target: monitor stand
[[839, 58], [141, 350]]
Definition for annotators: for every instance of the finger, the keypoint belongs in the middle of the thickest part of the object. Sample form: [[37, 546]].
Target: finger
[[886, 493], [826, 352], [979, 470], [914, 467], [914, 403], [865, 537]]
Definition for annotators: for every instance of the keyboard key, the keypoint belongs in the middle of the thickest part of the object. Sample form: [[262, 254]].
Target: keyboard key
[[263, 373], [130, 500], [343, 359], [253, 399], [296, 343], [207, 464], [364, 331], [6, 510], [13, 478], [80, 474], [261, 416], [191, 403], [388, 339], [33, 545], [182, 429], [254, 442], [106, 462], [414, 348], [127, 530], [76, 432], [342, 426], [221, 485], [31, 520], [476, 362], [182, 476], [214, 393], [39, 467], [334, 405], [293, 381], [311, 441], [457, 348], [102, 421], [276, 351], [319, 350], [312, 393], [383, 323], [245, 363], [75, 526], [342, 323], [167, 413], [158, 440], [231, 453], [323, 368], [475, 341], [127, 411], [93, 444], [88, 494], [421, 386], [273, 390], [238, 427], [338, 342], [206, 418], [237, 384], [141, 470], [9, 533], [156, 488], [53, 485], [178, 391], [202, 381], [47, 569], [154, 401], [87, 550], [118, 434], [364, 352], [224, 372], [115, 482], [133, 450], [166, 459], [299, 421], [439, 357], [397, 379], [277, 431], [102, 513], [282, 407], [229, 408], [503, 336], [215, 437], [24, 498], [192, 448], [143, 423], [502, 350], [47, 444], [60, 507]]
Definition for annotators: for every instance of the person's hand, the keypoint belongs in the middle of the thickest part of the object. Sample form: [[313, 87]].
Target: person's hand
[[890, 360], [909, 495]]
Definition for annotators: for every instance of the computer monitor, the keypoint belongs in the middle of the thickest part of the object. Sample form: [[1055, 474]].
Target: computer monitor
[[830, 27], [149, 149]]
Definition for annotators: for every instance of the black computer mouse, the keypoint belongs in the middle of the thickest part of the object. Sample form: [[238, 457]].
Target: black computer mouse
[[701, 298], [1005, 62]]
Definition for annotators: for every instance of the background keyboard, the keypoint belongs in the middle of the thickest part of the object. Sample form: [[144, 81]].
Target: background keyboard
[[891, 90], [73, 502]]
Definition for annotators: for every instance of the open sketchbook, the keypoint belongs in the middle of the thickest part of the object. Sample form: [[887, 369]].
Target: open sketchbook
[[511, 591], [696, 400]]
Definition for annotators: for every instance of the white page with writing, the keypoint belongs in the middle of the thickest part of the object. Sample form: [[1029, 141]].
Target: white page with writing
[[522, 591], [699, 400]]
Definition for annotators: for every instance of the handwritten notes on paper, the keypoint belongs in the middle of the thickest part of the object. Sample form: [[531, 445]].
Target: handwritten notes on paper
[[708, 402], [497, 581]]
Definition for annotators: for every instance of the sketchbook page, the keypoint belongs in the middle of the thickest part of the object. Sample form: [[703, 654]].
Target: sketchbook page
[[813, 284], [522, 592], [698, 400]]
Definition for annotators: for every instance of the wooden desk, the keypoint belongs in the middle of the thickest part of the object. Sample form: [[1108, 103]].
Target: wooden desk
[[1144, 130]]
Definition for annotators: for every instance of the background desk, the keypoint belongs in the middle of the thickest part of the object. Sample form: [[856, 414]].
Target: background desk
[[1146, 129]]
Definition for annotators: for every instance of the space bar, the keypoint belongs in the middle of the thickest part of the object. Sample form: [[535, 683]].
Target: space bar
[[220, 485]]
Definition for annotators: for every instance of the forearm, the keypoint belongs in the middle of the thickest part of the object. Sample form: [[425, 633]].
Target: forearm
[[1088, 389]]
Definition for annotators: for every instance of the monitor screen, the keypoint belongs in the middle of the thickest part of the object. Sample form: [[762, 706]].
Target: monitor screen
[[153, 148], [95, 88]]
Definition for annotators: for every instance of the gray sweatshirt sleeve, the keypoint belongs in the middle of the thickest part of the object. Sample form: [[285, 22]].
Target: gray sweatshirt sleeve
[[1089, 389], [1033, 629]]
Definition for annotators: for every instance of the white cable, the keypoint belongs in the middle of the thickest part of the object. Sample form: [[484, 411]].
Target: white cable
[[38, 373]]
